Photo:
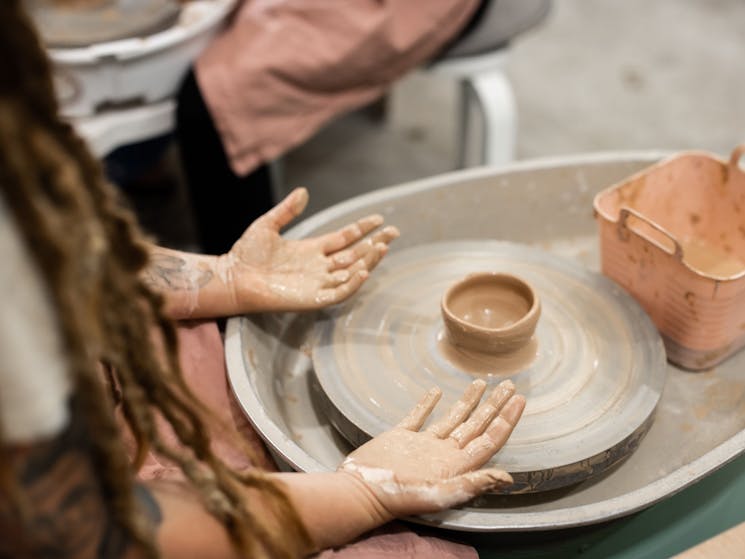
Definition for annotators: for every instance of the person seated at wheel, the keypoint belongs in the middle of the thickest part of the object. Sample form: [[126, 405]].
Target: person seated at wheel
[[86, 331]]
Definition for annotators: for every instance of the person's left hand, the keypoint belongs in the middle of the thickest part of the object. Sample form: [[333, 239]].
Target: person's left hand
[[269, 273], [409, 471]]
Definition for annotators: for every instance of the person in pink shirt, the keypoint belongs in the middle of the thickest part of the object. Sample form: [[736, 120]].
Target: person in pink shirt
[[280, 71], [117, 442]]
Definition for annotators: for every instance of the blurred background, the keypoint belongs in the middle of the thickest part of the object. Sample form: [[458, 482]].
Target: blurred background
[[591, 76], [594, 76]]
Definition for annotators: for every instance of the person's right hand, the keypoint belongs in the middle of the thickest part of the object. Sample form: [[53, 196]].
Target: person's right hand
[[267, 272], [409, 471]]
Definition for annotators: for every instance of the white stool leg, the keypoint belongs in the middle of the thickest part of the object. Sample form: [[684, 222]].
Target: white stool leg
[[107, 131], [277, 174], [492, 92], [465, 120]]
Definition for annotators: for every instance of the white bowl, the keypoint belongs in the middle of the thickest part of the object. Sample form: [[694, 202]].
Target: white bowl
[[135, 71]]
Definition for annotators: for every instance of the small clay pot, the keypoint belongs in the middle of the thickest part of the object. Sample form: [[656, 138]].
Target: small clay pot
[[490, 313]]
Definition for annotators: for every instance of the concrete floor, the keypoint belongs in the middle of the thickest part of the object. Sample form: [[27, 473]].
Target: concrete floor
[[600, 75]]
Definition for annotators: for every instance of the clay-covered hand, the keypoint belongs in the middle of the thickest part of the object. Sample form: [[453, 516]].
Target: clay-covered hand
[[409, 471], [270, 273]]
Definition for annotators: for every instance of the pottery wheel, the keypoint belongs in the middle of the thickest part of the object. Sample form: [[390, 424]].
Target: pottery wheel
[[592, 376], [87, 22]]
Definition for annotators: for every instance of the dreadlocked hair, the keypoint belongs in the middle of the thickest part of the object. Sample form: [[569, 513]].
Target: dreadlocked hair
[[90, 253]]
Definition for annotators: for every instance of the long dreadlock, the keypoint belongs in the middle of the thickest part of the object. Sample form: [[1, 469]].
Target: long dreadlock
[[89, 251]]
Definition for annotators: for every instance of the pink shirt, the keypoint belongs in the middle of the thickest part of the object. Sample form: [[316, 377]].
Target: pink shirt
[[283, 68]]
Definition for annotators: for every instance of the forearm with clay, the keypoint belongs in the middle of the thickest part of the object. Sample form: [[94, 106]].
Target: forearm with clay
[[265, 272], [193, 285]]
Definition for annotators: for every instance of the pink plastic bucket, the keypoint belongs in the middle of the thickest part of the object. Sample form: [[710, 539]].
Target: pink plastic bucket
[[673, 235]]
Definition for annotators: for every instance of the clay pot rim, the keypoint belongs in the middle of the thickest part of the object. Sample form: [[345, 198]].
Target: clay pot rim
[[527, 317]]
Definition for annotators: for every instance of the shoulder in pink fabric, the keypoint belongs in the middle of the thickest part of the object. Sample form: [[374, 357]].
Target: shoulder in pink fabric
[[284, 68]]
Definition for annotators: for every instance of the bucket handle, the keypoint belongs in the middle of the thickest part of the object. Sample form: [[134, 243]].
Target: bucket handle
[[737, 153], [624, 229]]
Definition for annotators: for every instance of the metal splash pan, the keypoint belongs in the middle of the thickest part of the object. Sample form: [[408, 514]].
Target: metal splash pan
[[700, 420]]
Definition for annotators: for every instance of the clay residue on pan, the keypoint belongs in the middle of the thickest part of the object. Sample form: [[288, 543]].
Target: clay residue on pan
[[476, 363], [722, 397]]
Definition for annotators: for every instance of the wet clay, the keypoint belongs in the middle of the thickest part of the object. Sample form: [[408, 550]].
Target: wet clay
[[487, 307], [475, 363], [711, 260], [489, 313]]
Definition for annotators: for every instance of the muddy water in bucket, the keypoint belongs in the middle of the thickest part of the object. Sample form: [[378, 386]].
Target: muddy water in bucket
[[592, 373], [711, 260]]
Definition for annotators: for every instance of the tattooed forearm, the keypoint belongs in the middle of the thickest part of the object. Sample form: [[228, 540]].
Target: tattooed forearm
[[167, 271], [63, 511]]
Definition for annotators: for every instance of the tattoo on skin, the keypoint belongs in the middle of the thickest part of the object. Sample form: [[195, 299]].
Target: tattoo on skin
[[172, 272], [68, 514]]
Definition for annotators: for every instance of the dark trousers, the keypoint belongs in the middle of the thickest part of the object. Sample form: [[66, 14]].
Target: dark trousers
[[224, 203]]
